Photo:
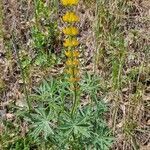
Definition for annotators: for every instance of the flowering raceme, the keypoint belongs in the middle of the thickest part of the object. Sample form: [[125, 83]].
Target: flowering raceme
[[70, 43], [69, 2], [70, 17]]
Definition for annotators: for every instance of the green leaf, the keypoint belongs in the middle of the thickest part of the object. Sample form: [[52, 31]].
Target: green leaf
[[102, 138], [42, 123], [77, 125]]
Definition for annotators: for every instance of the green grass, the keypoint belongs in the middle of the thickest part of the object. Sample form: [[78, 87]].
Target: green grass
[[112, 52]]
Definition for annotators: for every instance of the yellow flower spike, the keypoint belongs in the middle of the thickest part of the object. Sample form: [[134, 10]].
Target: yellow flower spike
[[70, 17], [71, 42], [71, 31], [69, 2], [72, 80]]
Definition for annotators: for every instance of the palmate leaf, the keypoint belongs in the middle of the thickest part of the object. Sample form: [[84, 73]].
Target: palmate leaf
[[42, 123], [102, 138], [77, 125], [90, 84], [46, 91], [42, 127]]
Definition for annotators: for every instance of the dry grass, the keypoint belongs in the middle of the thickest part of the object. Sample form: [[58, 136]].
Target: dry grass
[[116, 42]]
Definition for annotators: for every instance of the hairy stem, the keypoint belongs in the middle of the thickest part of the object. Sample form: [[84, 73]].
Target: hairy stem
[[74, 100]]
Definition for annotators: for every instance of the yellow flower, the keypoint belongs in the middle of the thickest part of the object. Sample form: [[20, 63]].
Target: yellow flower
[[74, 62], [73, 79], [71, 42], [69, 2], [70, 17], [76, 53], [71, 31], [68, 53], [72, 53]]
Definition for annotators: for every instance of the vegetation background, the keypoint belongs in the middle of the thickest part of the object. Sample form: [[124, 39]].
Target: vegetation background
[[115, 47]]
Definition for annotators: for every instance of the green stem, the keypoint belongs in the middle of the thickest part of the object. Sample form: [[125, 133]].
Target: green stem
[[74, 100], [35, 11], [22, 72]]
